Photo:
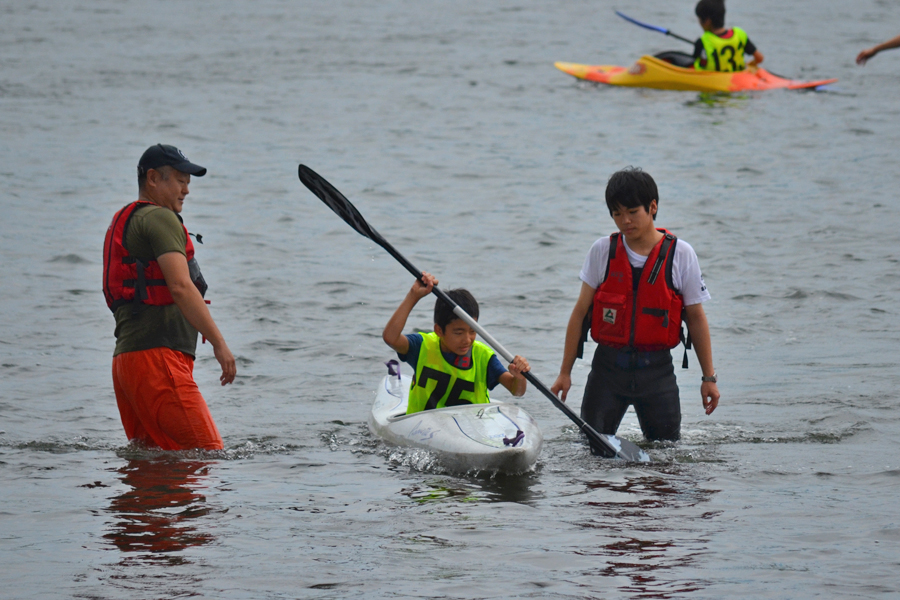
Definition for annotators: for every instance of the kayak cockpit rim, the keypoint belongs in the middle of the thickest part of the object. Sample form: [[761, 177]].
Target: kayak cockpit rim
[[482, 408]]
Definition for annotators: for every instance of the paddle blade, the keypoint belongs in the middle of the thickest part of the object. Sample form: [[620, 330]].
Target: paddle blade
[[342, 207], [621, 449], [337, 202]]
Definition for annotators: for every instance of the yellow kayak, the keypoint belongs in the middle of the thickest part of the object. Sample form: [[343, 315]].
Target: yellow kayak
[[652, 72]]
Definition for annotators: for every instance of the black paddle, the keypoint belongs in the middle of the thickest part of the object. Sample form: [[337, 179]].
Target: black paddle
[[655, 28], [609, 445]]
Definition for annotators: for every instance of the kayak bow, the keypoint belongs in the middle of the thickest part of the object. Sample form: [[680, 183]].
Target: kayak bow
[[496, 437]]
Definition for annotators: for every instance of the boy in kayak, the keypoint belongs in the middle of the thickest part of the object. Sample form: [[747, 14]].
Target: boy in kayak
[[721, 49], [637, 285], [452, 367]]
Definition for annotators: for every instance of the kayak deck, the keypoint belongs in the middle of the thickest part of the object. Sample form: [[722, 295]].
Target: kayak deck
[[652, 72], [472, 437]]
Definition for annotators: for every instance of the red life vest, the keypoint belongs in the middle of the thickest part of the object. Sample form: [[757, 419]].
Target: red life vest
[[124, 274], [646, 316]]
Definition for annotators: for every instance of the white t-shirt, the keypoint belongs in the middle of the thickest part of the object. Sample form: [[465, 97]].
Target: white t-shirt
[[686, 275]]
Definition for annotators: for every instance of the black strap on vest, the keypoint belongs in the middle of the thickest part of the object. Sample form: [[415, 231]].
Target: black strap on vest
[[657, 266], [654, 273], [660, 258], [139, 283], [586, 324], [658, 312]]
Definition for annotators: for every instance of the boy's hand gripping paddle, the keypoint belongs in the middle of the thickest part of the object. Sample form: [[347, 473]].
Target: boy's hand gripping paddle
[[610, 445]]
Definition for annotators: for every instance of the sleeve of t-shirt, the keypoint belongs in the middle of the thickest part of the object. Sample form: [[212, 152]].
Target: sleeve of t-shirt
[[164, 231], [593, 270], [495, 369], [412, 354], [750, 48], [698, 48], [686, 275]]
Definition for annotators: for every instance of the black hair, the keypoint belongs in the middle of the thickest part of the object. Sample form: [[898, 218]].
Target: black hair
[[629, 188], [164, 171], [443, 313], [713, 10]]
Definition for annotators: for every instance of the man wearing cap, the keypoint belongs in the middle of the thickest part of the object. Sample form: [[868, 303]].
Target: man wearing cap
[[153, 285]]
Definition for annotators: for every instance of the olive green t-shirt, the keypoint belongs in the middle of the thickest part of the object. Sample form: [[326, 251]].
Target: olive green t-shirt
[[152, 232]]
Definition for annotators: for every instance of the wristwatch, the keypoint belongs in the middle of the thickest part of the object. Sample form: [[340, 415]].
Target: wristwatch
[[713, 379]]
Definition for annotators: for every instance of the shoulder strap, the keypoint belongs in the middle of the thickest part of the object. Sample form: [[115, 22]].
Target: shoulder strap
[[138, 204], [613, 245], [661, 257], [669, 265]]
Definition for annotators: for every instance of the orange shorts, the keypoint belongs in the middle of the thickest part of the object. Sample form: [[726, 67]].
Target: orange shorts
[[159, 402]]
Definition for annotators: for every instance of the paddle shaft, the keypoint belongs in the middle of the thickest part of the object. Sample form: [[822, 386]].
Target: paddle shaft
[[508, 357], [589, 431], [655, 28], [678, 37]]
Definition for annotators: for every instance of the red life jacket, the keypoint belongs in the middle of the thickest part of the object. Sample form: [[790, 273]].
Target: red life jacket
[[127, 278], [646, 316]]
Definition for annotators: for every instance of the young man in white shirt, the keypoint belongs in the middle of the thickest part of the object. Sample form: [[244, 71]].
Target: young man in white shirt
[[637, 285]]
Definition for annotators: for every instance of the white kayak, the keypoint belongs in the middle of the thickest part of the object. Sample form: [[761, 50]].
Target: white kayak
[[484, 437]]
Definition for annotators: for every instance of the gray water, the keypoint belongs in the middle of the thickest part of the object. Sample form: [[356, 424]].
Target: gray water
[[451, 131]]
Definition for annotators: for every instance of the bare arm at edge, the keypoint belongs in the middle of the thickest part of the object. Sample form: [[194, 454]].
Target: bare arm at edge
[[757, 59], [865, 55], [573, 334], [189, 301], [698, 327], [393, 331]]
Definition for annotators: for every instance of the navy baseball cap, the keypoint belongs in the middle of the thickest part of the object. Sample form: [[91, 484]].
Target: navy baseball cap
[[162, 155]]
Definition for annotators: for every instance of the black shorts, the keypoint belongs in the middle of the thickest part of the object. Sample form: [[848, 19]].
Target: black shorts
[[645, 380]]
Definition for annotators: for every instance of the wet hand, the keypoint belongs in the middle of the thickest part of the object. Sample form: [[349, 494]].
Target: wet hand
[[420, 290], [865, 55], [518, 366], [709, 393], [562, 384], [227, 362]]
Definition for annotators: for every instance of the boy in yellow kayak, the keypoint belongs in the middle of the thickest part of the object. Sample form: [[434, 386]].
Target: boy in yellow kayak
[[721, 49], [452, 367]]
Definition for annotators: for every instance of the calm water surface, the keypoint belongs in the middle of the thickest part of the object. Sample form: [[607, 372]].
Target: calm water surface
[[449, 128]]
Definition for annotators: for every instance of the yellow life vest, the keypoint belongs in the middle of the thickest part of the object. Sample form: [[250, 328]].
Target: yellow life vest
[[438, 383], [723, 54]]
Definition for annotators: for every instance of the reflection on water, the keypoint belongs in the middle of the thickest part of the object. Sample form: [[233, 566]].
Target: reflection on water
[[156, 517], [645, 545], [478, 488], [458, 139], [437, 491], [512, 488], [718, 99]]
